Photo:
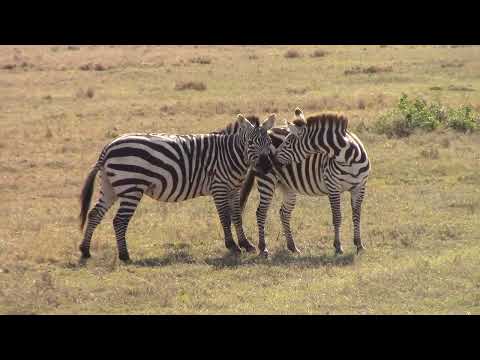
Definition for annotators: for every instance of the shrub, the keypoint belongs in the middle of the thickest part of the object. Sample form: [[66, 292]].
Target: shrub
[[319, 53], [463, 119], [453, 64], [430, 153], [291, 54], [297, 91], [201, 60], [459, 88], [90, 66], [89, 93], [361, 104], [190, 85], [367, 70], [418, 114]]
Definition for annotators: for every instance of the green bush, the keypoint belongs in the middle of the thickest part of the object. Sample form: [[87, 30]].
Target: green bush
[[410, 115], [463, 119]]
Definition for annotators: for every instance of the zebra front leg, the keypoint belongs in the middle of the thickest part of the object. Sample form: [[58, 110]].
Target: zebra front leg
[[289, 199], [334, 198], [356, 202], [128, 205], [266, 196], [222, 203], [237, 221]]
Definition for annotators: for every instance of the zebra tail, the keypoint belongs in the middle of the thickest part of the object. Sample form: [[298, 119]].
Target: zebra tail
[[246, 188], [87, 190]]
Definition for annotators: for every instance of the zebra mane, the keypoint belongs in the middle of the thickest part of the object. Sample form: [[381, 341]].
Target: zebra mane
[[280, 130], [278, 135], [324, 119], [233, 127]]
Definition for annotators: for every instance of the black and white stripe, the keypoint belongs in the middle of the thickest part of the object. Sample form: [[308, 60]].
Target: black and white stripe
[[313, 157], [174, 168]]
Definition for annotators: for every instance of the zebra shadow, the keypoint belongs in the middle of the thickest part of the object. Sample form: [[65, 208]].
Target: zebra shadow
[[177, 257], [283, 258]]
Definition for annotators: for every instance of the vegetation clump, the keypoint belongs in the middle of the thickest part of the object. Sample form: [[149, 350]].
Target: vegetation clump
[[412, 114]]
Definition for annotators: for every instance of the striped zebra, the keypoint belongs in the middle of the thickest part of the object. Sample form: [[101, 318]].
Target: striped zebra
[[323, 158], [174, 168]]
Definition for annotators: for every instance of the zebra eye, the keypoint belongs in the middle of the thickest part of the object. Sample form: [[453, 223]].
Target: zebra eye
[[250, 142]]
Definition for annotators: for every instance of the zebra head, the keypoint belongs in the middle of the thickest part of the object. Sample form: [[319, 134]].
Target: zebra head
[[324, 133], [291, 150], [257, 143]]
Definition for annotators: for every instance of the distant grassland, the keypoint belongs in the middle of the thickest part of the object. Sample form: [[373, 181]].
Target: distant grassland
[[420, 221]]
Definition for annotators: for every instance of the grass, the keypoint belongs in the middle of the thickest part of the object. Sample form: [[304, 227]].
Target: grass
[[419, 221]]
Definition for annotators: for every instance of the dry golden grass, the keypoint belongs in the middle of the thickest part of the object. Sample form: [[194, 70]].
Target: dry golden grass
[[420, 220]]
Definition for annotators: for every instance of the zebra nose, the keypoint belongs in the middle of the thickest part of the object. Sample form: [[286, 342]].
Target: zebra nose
[[264, 163], [276, 162]]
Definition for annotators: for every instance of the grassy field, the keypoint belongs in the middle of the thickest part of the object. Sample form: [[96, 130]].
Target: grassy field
[[421, 217]]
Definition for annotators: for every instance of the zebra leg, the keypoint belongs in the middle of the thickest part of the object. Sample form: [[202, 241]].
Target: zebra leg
[[289, 199], [356, 202], [266, 190], [96, 214], [237, 221], [222, 203], [334, 198], [128, 205]]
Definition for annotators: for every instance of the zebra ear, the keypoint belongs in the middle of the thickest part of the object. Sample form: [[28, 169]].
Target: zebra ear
[[243, 121], [269, 122], [294, 129], [299, 114]]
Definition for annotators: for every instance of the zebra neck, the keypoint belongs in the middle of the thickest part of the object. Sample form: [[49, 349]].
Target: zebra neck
[[332, 144], [233, 150]]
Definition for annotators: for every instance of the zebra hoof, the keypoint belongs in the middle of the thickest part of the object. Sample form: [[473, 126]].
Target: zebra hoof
[[360, 249], [235, 250], [125, 258], [294, 249], [338, 251], [85, 253], [263, 253], [248, 247]]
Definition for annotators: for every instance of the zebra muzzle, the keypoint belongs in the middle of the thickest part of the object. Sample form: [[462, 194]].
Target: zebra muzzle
[[264, 164]]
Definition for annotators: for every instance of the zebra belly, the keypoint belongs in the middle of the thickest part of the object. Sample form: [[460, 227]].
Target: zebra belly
[[195, 188], [133, 174]]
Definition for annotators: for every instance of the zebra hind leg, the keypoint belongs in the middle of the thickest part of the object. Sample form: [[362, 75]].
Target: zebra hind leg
[[95, 216], [334, 198], [222, 203], [128, 205], [356, 202]]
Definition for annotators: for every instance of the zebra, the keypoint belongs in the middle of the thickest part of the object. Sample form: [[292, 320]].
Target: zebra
[[173, 168], [313, 157]]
